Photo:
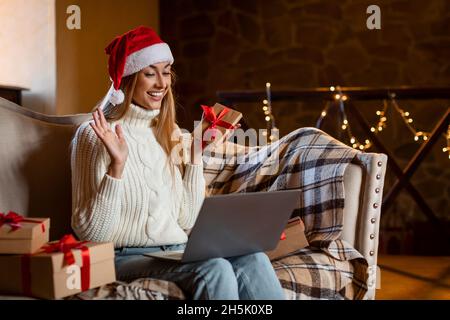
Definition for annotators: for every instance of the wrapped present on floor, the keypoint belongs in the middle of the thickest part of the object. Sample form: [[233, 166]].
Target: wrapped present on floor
[[60, 269], [216, 121], [292, 239], [21, 235]]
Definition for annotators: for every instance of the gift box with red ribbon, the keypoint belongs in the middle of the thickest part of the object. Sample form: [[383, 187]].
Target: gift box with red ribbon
[[292, 239], [216, 121], [22, 235], [60, 269]]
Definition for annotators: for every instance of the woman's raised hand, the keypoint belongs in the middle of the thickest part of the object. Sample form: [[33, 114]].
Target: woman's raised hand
[[114, 142]]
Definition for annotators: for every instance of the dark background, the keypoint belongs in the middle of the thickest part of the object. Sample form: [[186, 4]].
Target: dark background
[[239, 45]]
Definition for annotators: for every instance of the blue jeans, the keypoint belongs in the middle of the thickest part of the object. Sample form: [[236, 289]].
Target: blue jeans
[[249, 277]]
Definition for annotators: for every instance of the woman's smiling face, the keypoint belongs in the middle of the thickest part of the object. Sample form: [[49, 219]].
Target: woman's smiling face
[[152, 85]]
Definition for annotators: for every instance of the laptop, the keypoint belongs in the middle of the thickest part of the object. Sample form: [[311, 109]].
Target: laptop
[[236, 224]]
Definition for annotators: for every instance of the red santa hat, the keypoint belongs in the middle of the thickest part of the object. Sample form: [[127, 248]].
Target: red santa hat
[[130, 53]]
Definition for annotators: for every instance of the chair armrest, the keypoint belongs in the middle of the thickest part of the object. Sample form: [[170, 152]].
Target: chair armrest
[[353, 177], [368, 221]]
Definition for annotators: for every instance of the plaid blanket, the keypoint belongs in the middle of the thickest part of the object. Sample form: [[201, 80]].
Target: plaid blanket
[[312, 161], [139, 289], [307, 159]]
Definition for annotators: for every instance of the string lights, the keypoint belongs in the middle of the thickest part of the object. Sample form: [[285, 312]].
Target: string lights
[[408, 121], [382, 119], [447, 136], [271, 130], [340, 99]]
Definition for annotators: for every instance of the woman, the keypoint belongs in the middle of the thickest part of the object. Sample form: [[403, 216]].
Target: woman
[[128, 187]]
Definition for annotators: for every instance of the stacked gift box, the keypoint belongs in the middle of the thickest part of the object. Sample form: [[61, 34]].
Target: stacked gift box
[[30, 265]]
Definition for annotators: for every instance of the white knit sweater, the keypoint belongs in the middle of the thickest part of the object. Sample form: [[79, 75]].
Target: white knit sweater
[[146, 207]]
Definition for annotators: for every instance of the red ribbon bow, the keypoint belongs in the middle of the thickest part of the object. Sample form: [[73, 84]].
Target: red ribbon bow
[[216, 120], [14, 219], [65, 245]]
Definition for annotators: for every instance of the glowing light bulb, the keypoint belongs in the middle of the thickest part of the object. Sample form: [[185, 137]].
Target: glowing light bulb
[[372, 129], [416, 138], [383, 119], [344, 127], [345, 121], [268, 84], [367, 141], [444, 149], [406, 114], [410, 120], [332, 88], [352, 140], [378, 112], [355, 145], [361, 147], [265, 101], [344, 98], [380, 128], [324, 113], [337, 96], [267, 118]]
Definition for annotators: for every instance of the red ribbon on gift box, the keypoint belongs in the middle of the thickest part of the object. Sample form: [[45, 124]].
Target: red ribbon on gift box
[[216, 120], [14, 219], [65, 245]]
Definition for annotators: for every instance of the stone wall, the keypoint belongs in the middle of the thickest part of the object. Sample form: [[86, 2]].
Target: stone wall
[[242, 44]]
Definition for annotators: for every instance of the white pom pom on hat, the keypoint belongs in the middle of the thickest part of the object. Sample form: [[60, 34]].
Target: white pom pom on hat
[[130, 53], [117, 97]]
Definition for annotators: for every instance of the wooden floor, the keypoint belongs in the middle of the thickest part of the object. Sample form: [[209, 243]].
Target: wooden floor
[[414, 277]]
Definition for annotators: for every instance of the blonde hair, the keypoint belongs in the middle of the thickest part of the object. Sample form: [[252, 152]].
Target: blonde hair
[[164, 124]]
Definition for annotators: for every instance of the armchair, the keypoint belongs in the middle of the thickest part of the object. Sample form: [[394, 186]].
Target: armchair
[[35, 179]]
